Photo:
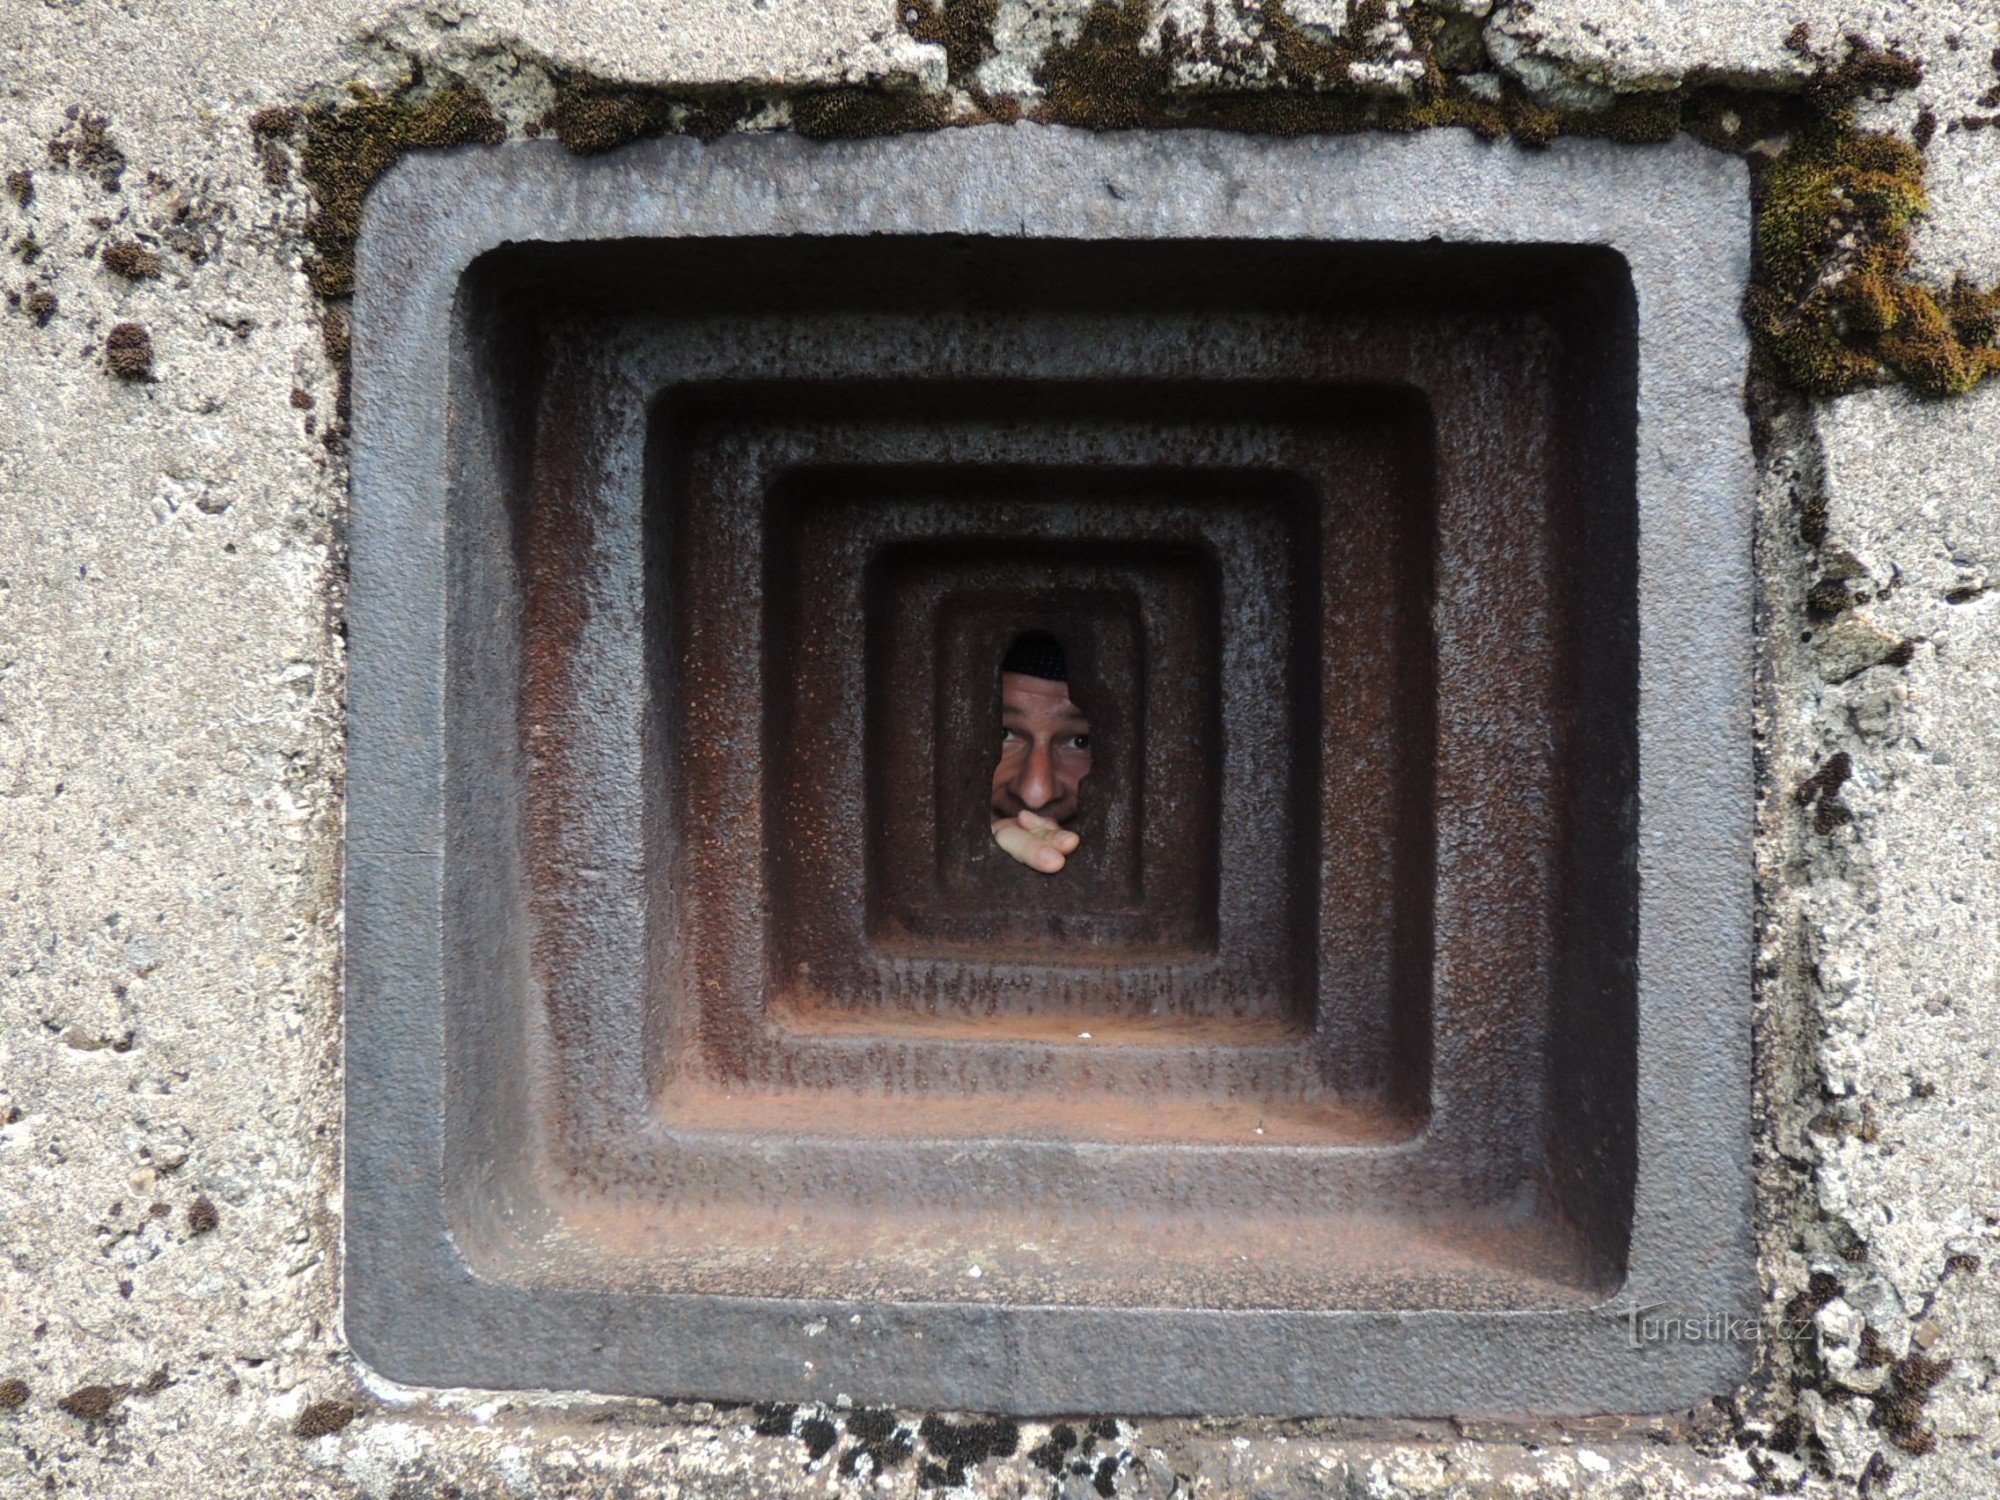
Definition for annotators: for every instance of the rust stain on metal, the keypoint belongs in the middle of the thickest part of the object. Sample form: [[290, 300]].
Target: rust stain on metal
[[1327, 585]]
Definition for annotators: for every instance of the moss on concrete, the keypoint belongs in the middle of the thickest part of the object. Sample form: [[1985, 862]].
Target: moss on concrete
[[202, 1216], [1899, 1410], [91, 1403], [828, 114], [130, 259], [1835, 301], [348, 149], [128, 352], [1105, 79], [84, 145], [323, 1418], [590, 118], [964, 28]]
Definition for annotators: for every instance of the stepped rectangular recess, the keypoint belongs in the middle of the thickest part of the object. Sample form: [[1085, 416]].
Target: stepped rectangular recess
[[1389, 1033]]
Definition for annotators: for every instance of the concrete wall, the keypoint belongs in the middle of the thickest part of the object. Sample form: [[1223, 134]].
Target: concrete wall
[[171, 764]]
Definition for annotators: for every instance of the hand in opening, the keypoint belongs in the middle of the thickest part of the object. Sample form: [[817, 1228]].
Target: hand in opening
[[1039, 843]]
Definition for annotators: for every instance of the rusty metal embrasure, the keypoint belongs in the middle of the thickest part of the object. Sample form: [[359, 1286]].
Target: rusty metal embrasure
[[1319, 611], [1392, 1018]]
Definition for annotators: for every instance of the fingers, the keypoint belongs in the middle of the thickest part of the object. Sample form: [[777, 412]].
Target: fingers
[[1037, 842], [1063, 838], [1028, 846]]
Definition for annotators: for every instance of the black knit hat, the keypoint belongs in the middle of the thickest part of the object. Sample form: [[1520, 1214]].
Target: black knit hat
[[1036, 653]]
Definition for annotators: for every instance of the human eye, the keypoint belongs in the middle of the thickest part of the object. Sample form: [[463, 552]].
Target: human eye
[[1079, 742]]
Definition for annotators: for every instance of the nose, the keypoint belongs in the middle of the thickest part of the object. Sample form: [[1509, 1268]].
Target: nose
[[1035, 785]]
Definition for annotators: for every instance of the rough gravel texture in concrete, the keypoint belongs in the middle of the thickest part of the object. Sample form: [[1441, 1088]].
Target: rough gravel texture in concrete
[[170, 794]]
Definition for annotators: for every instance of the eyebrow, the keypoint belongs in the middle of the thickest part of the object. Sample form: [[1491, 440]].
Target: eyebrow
[[1074, 719]]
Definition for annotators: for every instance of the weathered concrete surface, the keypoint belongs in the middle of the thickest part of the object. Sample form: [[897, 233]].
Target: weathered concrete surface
[[170, 686], [1892, 909]]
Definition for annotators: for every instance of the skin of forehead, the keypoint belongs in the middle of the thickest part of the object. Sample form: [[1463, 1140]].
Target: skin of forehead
[[1037, 697]]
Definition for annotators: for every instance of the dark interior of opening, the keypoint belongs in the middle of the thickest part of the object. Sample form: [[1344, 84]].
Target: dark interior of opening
[[697, 277]]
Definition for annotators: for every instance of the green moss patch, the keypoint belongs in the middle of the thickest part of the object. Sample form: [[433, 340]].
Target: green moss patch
[[1835, 300], [1105, 79]]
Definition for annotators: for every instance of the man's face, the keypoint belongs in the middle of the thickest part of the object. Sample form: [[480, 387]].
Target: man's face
[[1044, 749]]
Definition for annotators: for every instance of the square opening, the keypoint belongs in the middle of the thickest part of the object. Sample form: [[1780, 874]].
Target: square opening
[[1326, 627], [738, 1020]]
